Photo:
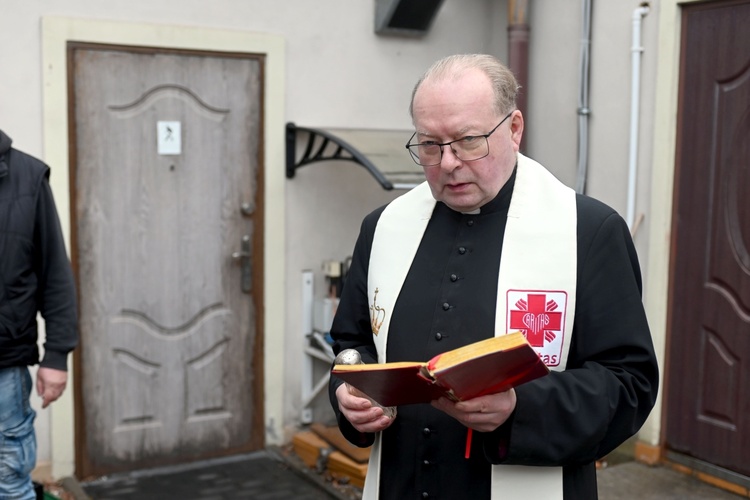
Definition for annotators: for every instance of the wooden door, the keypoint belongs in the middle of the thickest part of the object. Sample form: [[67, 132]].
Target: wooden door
[[708, 378], [166, 180]]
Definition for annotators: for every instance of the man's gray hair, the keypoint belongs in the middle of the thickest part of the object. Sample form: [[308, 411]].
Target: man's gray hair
[[503, 82]]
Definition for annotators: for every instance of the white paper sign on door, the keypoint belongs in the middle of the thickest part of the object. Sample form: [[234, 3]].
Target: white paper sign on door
[[168, 137]]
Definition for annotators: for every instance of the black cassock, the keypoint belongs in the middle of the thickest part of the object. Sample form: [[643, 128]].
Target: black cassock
[[448, 300]]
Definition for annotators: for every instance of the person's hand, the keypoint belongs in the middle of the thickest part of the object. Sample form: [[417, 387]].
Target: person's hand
[[483, 414], [361, 412], [50, 384]]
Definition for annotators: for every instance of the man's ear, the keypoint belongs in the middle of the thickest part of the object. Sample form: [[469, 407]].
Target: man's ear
[[516, 128]]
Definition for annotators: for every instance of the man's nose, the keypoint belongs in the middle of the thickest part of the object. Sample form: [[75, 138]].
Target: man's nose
[[449, 161]]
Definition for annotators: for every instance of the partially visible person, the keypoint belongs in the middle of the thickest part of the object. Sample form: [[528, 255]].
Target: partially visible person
[[493, 243], [35, 277]]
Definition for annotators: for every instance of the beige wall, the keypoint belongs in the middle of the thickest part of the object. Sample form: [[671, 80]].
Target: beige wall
[[552, 127], [330, 69], [552, 121], [664, 128], [54, 34], [326, 68], [371, 88]]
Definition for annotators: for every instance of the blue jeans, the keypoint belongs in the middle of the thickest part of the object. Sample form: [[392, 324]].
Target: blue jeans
[[17, 439]]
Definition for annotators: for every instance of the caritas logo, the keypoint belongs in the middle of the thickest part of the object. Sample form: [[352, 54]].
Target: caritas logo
[[540, 315]]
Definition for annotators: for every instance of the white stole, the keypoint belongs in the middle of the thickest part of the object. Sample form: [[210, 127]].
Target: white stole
[[536, 291]]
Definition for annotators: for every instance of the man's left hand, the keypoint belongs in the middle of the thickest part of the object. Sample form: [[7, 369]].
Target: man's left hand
[[483, 414], [50, 384]]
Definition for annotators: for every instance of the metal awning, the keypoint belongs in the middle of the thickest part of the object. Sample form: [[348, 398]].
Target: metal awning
[[381, 152]]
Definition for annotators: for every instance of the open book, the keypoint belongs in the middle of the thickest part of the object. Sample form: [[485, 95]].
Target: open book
[[485, 367]]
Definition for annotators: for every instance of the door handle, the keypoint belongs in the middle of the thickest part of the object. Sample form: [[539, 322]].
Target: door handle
[[243, 256]]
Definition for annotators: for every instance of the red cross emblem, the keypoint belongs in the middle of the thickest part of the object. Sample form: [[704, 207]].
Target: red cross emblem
[[537, 317]]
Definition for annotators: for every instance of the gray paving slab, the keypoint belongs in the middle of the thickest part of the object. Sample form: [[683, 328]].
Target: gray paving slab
[[271, 475], [634, 480], [260, 476]]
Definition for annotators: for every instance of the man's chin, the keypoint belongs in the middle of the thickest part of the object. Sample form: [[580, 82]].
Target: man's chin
[[460, 204]]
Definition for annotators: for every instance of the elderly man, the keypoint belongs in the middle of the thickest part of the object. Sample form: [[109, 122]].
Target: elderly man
[[489, 241]]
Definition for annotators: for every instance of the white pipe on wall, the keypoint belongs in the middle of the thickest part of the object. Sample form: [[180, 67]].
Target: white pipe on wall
[[308, 280], [635, 55], [583, 99]]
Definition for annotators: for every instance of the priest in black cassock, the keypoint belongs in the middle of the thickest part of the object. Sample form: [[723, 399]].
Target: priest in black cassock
[[493, 243]]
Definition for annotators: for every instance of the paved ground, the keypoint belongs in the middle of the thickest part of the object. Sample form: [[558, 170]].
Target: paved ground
[[633, 480], [272, 475], [257, 476]]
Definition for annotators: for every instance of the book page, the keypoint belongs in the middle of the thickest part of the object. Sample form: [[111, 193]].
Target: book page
[[475, 350]]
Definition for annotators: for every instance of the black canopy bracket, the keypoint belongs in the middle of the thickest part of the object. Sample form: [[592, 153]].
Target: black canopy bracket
[[324, 146]]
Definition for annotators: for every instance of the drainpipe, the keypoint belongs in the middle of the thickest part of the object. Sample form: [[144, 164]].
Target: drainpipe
[[518, 48], [583, 99], [635, 53]]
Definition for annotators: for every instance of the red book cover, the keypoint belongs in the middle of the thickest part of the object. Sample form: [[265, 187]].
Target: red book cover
[[485, 367]]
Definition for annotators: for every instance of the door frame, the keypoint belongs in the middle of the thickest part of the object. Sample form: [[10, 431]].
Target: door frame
[[657, 293], [85, 466], [689, 459], [656, 290], [56, 33]]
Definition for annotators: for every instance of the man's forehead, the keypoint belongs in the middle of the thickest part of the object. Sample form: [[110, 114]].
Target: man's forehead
[[461, 89], [456, 110], [461, 76]]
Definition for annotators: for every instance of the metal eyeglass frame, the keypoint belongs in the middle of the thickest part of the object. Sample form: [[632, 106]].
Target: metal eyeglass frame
[[415, 156]]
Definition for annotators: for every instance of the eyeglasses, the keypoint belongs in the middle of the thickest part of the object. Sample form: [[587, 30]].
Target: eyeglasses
[[469, 148]]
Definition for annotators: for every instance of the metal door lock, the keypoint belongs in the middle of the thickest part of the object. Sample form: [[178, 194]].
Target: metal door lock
[[243, 256]]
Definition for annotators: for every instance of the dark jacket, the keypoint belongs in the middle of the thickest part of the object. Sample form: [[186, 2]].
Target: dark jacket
[[35, 273]]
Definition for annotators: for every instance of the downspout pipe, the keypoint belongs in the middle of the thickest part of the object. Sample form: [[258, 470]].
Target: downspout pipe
[[518, 49], [635, 57]]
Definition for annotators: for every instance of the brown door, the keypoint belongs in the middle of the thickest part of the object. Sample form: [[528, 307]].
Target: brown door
[[708, 378], [167, 227]]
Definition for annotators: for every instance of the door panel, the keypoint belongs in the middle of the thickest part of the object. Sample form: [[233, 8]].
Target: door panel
[[170, 342], [708, 409]]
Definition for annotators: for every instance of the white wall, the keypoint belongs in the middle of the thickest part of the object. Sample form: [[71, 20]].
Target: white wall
[[367, 83], [551, 124], [56, 32], [338, 73], [552, 121]]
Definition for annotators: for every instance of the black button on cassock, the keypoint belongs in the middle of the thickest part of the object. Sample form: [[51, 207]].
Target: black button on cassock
[[454, 277], [469, 223], [426, 431], [462, 250], [446, 306], [438, 336]]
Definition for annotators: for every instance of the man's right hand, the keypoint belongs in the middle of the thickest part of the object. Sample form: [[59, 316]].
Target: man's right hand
[[50, 384], [361, 412]]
